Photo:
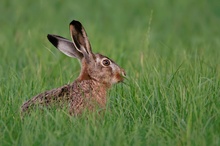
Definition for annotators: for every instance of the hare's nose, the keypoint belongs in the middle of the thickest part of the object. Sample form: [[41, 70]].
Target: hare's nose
[[123, 72]]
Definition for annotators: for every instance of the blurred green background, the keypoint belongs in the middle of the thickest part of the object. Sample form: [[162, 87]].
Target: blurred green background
[[169, 49], [125, 25]]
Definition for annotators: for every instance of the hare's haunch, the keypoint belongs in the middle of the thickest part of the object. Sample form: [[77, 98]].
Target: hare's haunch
[[98, 74]]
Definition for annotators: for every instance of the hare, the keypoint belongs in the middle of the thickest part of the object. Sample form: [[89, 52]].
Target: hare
[[98, 74]]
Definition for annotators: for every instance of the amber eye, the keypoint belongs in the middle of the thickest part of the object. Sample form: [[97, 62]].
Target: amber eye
[[106, 62]]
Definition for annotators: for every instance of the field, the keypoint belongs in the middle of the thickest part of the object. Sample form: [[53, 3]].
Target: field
[[169, 49]]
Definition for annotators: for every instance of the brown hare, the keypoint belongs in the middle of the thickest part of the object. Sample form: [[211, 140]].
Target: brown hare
[[98, 74]]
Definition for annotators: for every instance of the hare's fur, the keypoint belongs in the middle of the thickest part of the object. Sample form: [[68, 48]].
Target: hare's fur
[[98, 74]]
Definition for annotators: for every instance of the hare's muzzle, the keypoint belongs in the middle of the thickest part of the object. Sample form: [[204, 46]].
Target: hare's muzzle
[[123, 73]]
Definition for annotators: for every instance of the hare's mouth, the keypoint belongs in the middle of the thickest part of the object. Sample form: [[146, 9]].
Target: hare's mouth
[[121, 76]]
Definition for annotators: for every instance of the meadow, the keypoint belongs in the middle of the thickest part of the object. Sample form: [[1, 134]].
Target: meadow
[[169, 49]]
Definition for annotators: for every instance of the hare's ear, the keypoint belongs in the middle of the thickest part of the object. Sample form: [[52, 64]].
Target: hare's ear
[[64, 45], [80, 39]]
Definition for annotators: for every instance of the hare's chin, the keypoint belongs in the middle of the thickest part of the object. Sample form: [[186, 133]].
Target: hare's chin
[[116, 80]]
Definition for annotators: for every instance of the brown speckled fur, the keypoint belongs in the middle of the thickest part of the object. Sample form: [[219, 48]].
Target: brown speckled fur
[[77, 96], [88, 91]]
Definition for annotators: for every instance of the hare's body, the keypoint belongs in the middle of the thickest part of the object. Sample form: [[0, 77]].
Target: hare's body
[[76, 96], [88, 91]]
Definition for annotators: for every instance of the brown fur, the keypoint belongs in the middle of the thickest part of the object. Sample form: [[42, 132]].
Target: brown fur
[[79, 95], [89, 90]]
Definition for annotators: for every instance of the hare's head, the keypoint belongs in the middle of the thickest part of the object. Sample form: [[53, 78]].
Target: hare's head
[[93, 66]]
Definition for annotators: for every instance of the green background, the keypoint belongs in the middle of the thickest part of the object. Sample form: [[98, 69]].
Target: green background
[[169, 49]]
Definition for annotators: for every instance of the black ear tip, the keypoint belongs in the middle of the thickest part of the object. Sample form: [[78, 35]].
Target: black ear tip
[[49, 36], [75, 22], [53, 39]]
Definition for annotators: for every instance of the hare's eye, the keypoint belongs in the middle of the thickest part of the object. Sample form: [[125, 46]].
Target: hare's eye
[[106, 62]]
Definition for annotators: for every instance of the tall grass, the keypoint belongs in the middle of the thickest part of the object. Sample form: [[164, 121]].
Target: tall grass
[[169, 49]]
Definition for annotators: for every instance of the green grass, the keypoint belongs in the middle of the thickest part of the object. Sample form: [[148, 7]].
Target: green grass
[[170, 51]]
